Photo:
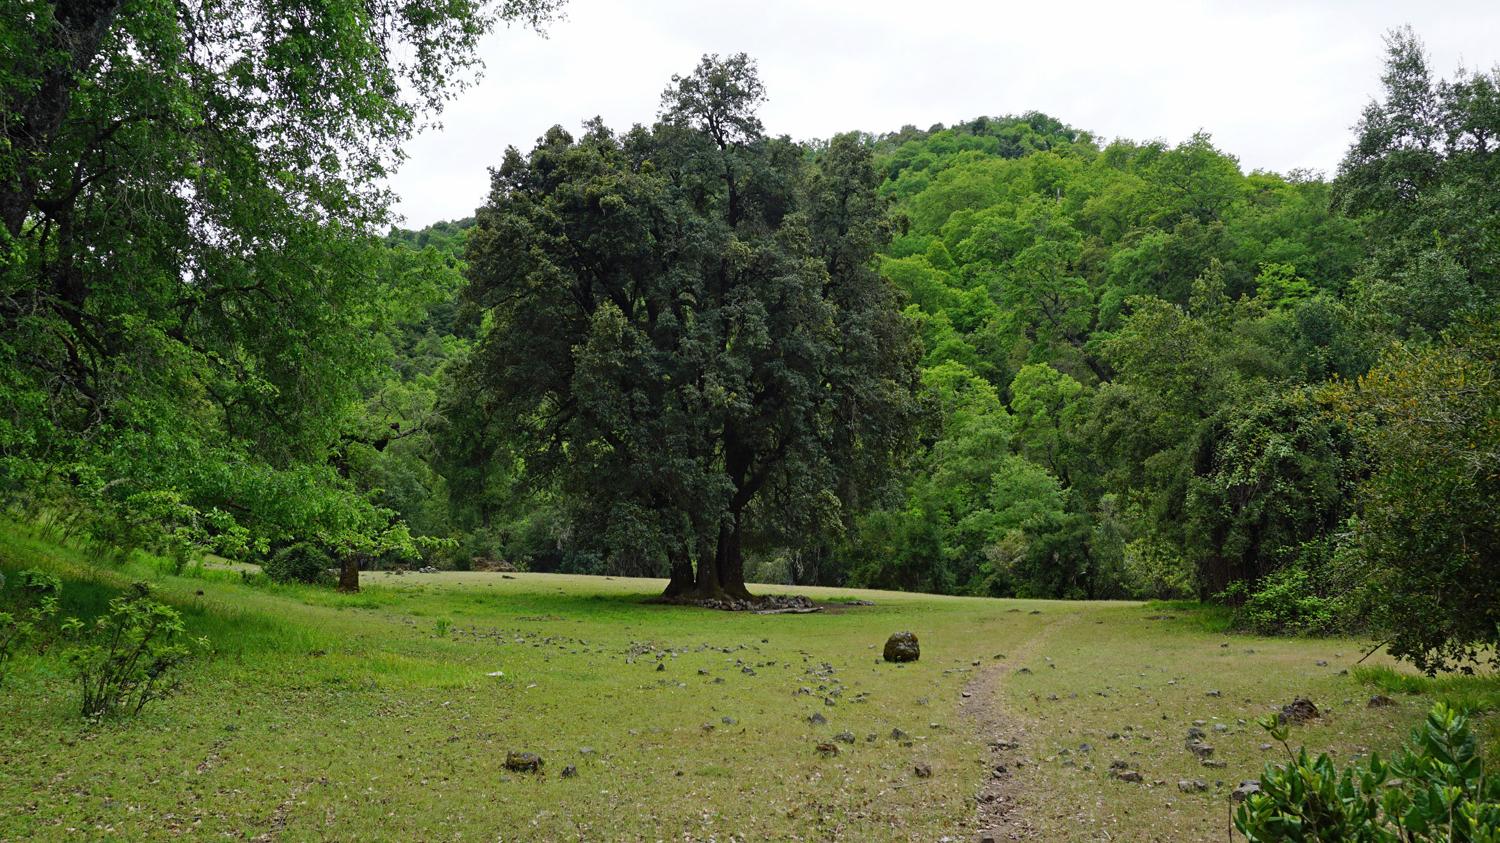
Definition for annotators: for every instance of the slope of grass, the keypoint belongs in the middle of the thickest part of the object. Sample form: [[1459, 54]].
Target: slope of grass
[[387, 715]]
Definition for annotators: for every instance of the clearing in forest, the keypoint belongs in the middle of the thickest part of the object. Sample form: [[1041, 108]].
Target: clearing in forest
[[389, 714]]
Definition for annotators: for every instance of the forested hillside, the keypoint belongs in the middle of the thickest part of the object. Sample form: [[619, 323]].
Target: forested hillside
[[1005, 357]]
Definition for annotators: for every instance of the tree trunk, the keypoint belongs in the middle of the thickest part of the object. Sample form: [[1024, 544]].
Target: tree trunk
[[75, 33], [729, 561], [349, 573], [708, 569], [682, 576]]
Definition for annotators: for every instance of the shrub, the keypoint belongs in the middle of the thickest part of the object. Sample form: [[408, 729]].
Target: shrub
[[1286, 601], [37, 603], [1433, 790], [130, 654], [300, 562]]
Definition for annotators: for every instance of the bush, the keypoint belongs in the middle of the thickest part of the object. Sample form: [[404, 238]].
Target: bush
[[1286, 602], [300, 562], [130, 655], [36, 603], [1433, 790]]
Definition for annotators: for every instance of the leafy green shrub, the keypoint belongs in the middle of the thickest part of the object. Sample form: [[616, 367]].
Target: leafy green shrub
[[1285, 602], [300, 562], [130, 654], [37, 603], [1433, 790]]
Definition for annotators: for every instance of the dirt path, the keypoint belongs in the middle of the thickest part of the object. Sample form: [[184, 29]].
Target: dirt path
[[999, 814], [999, 809]]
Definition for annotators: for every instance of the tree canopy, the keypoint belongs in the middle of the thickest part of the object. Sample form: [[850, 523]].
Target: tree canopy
[[687, 330]]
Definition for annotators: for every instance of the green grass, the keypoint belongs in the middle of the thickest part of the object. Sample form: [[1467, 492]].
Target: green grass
[[327, 716]]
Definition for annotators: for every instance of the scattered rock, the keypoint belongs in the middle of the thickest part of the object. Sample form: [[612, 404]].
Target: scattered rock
[[827, 749], [1322, 663], [1241, 793], [1192, 785], [728, 721], [898, 735], [844, 737], [1380, 701], [922, 769], [1200, 749], [661, 666], [1299, 710], [817, 718], [523, 762], [1128, 776], [1214, 693], [1194, 734], [569, 771], [1220, 728], [1214, 763], [902, 647]]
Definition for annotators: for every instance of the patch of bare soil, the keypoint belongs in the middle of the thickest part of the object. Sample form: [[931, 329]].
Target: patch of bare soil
[[999, 814]]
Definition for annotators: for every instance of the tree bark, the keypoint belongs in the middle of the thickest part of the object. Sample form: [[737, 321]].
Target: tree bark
[[77, 29], [349, 573], [682, 576]]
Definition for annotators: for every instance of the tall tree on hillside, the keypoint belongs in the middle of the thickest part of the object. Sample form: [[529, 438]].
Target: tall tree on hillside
[[1422, 172], [688, 329]]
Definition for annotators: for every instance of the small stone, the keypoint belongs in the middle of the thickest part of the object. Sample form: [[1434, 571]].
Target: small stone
[[1192, 785], [1214, 763], [1299, 710], [660, 666], [827, 749], [727, 721], [1214, 693], [844, 737], [1380, 701], [898, 735], [817, 718], [1220, 728], [922, 769], [1322, 663], [1129, 776], [569, 771], [523, 762], [1200, 749], [1241, 793]]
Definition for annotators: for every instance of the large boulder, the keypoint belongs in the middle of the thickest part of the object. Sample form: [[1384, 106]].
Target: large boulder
[[902, 647]]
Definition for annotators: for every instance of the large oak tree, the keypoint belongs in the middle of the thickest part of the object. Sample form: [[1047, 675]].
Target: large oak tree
[[688, 332]]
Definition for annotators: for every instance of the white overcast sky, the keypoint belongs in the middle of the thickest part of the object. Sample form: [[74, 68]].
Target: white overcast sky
[[1277, 84]]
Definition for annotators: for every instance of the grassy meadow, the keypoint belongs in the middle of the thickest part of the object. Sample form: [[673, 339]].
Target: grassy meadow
[[388, 715]]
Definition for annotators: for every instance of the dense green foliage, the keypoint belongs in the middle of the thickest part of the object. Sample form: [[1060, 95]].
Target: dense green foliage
[[687, 335], [1435, 789], [192, 304], [1143, 372], [1003, 357]]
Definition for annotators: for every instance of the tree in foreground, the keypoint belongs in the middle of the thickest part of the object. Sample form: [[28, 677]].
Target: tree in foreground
[[687, 330], [191, 298]]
